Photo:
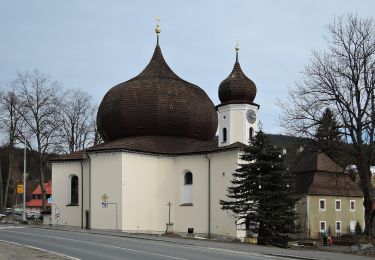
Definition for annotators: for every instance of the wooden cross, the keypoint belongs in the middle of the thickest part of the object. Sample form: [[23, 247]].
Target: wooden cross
[[169, 212]]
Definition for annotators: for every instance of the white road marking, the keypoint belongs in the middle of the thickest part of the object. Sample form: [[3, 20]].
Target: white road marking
[[207, 248], [246, 253], [41, 249], [97, 244], [9, 227]]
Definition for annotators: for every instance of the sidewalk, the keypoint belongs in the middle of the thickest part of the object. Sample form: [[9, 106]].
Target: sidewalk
[[10, 251], [335, 252]]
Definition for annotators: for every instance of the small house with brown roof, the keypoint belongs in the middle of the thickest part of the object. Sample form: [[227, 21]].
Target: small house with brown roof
[[330, 200]]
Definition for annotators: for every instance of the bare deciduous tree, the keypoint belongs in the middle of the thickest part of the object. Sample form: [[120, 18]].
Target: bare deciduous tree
[[10, 122], [76, 131], [50, 123], [39, 98], [343, 80], [97, 137]]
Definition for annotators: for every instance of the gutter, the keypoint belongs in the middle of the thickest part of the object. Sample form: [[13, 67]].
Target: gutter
[[209, 196], [172, 154]]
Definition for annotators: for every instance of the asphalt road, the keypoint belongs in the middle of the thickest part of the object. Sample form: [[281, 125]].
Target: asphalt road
[[78, 245], [93, 246]]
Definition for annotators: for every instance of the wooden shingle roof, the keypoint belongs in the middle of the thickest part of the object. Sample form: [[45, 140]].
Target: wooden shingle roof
[[237, 88], [157, 102], [317, 174], [314, 161]]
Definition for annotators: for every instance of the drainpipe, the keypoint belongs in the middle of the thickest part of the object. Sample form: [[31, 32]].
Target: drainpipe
[[209, 196], [81, 194], [90, 213], [308, 216]]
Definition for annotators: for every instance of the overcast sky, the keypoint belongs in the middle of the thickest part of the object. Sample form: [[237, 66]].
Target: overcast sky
[[94, 45]]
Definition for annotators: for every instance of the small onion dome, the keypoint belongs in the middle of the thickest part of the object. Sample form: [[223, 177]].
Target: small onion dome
[[157, 102], [237, 88]]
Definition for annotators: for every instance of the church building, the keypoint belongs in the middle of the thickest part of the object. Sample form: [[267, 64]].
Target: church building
[[161, 165]]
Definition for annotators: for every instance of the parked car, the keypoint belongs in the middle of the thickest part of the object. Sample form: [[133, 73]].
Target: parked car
[[17, 212], [9, 211], [2, 216], [33, 215]]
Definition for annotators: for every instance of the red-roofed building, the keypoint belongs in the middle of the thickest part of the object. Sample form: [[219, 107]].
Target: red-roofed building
[[35, 204]]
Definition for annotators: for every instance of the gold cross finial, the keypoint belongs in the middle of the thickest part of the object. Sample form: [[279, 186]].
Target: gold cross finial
[[237, 47], [158, 29], [237, 50]]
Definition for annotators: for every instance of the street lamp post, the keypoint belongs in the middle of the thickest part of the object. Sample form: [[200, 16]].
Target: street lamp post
[[24, 180]]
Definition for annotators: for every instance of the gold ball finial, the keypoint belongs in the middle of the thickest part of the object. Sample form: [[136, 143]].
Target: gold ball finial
[[158, 29]]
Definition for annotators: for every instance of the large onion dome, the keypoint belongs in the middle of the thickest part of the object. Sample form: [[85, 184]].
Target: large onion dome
[[237, 88], [157, 102]]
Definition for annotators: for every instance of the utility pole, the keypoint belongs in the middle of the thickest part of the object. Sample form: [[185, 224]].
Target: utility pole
[[24, 181]]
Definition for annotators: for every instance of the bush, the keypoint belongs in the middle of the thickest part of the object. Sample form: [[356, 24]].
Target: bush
[[358, 229], [346, 240]]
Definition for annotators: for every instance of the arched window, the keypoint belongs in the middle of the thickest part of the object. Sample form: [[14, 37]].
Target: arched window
[[224, 135], [187, 189], [251, 132], [188, 178], [74, 190]]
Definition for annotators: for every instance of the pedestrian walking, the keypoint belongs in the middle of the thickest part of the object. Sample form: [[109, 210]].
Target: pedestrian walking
[[330, 240], [325, 239]]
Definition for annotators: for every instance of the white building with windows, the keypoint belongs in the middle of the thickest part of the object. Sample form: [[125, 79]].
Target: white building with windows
[[159, 147]]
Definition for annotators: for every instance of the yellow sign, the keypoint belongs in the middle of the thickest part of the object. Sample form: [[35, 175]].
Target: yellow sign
[[19, 188], [104, 197]]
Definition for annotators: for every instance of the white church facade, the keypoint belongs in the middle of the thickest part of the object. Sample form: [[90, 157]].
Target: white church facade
[[160, 161]]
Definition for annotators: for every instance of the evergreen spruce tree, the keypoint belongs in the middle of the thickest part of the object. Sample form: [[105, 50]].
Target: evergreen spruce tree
[[262, 193], [328, 134], [358, 229], [329, 140]]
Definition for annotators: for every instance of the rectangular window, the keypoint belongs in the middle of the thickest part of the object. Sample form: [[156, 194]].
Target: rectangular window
[[338, 205], [322, 226], [338, 226], [322, 204], [352, 205]]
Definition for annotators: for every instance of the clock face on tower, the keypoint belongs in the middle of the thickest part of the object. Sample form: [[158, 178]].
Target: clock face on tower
[[251, 116]]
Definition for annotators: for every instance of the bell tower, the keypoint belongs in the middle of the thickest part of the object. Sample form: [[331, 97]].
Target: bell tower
[[237, 111]]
